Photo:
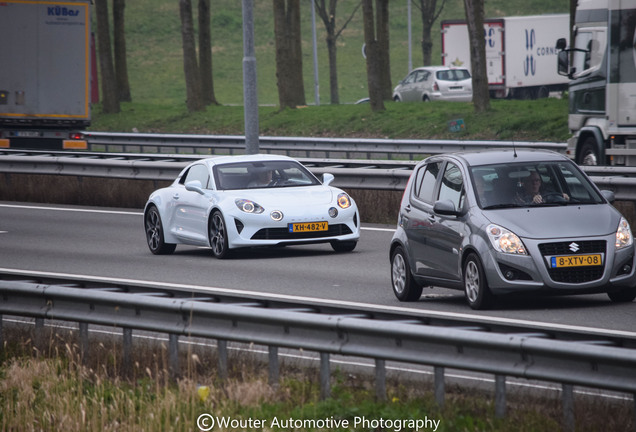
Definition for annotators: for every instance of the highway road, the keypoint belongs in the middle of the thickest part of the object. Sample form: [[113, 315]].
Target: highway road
[[110, 243]]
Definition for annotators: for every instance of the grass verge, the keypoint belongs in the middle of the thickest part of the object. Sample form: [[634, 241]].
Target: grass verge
[[52, 388]]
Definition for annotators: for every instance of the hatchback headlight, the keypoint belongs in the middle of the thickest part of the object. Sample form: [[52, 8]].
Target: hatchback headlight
[[505, 241], [344, 201], [248, 206], [623, 235]]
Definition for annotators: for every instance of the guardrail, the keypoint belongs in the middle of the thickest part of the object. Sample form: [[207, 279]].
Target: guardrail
[[528, 356], [299, 146], [355, 174]]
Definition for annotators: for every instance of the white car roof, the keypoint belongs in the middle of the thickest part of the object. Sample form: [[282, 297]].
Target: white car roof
[[221, 160]]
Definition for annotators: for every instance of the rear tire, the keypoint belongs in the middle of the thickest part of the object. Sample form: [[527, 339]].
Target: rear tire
[[476, 288], [404, 285], [154, 233]]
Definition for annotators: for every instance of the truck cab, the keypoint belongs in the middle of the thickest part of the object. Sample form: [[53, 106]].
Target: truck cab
[[602, 89]]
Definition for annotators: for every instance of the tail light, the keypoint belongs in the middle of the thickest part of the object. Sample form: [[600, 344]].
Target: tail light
[[435, 86]]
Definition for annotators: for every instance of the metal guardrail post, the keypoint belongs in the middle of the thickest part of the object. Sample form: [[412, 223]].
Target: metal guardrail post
[[39, 335], [221, 347], [325, 376], [500, 396], [380, 379], [568, 407], [439, 386], [127, 341], [274, 369], [173, 355], [83, 342]]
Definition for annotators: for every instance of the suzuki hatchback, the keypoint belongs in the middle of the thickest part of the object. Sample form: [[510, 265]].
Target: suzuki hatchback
[[497, 222]]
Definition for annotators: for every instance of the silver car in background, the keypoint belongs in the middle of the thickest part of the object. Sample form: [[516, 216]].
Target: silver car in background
[[498, 222], [434, 83]]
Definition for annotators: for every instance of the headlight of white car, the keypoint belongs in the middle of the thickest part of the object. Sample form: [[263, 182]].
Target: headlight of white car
[[344, 201], [504, 240], [623, 235], [248, 206]]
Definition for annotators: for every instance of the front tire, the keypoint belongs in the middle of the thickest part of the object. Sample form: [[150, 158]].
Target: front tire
[[625, 295], [343, 246], [476, 288], [588, 154], [217, 235], [154, 233], [404, 285]]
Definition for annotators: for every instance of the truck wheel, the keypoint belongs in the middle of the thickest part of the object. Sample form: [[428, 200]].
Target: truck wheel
[[543, 92], [587, 154]]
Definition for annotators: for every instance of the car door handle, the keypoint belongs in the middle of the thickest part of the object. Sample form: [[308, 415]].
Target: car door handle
[[407, 208], [175, 196], [431, 218]]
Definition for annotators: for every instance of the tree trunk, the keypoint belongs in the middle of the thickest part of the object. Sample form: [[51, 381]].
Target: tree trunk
[[289, 61], [119, 41], [382, 32], [194, 101], [110, 100], [205, 54], [429, 14], [475, 22], [374, 77]]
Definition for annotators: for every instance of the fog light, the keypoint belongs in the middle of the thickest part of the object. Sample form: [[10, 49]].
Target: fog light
[[333, 212], [627, 268], [509, 274], [276, 215]]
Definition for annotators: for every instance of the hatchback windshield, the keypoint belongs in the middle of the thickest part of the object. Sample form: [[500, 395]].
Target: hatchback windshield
[[532, 184]]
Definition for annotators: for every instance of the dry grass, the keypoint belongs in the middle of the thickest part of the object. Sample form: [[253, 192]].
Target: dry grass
[[51, 389]]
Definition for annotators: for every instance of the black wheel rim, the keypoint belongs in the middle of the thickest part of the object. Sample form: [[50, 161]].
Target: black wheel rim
[[217, 234], [153, 230]]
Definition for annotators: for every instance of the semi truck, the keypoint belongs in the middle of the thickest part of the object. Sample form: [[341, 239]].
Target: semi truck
[[601, 65], [45, 75], [520, 53]]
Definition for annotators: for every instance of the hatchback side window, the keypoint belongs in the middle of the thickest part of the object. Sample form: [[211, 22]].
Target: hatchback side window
[[197, 172], [452, 186], [425, 182]]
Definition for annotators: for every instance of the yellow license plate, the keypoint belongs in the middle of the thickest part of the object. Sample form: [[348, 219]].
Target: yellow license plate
[[308, 227], [576, 260]]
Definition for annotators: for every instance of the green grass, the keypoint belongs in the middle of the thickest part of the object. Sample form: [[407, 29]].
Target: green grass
[[158, 88], [538, 120]]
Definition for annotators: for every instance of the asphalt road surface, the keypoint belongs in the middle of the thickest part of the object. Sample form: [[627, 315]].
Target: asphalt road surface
[[110, 243]]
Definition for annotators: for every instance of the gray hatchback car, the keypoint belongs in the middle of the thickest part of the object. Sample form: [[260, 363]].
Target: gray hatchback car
[[506, 221]]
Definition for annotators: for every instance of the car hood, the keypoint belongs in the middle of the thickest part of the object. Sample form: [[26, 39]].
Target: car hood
[[557, 222], [297, 196]]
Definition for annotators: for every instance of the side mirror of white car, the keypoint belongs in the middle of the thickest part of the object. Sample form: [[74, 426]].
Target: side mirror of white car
[[194, 186], [327, 179]]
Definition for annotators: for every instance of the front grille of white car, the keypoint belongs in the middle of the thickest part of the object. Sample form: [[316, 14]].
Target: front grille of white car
[[284, 234]]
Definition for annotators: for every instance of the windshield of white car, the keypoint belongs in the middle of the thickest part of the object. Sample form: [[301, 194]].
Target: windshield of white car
[[262, 174], [559, 183]]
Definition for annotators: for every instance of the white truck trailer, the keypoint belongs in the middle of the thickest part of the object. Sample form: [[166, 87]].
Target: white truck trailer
[[601, 64], [45, 74], [520, 53]]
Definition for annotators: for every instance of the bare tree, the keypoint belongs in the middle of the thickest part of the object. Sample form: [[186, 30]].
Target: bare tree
[[328, 17], [205, 54], [382, 34], [376, 28], [119, 42], [429, 13], [289, 60], [475, 22], [194, 101], [110, 99]]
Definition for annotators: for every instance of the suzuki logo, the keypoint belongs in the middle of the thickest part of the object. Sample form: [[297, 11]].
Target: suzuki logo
[[574, 247]]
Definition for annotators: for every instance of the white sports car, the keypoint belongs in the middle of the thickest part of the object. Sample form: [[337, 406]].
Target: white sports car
[[232, 202]]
